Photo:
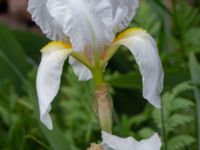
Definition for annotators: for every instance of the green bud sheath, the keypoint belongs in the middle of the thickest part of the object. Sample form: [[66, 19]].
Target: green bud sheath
[[103, 107]]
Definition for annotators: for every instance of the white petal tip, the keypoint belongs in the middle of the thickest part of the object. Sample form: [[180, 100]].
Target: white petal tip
[[155, 141], [152, 143], [154, 100], [46, 120], [104, 134], [155, 137]]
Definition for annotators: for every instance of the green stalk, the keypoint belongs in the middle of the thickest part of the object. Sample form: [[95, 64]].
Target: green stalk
[[163, 126], [97, 70], [97, 76], [102, 101], [195, 75]]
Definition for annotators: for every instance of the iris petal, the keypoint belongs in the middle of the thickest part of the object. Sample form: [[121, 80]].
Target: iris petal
[[144, 49], [40, 14], [86, 22], [123, 12], [90, 24], [111, 142], [82, 72], [48, 78]]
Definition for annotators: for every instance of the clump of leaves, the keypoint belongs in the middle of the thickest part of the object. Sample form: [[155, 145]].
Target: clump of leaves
[[18, 128], [176, 118], [136, 125]]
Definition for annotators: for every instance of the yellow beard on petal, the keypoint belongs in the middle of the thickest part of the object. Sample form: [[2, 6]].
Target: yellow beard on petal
[[56, 45], [116, 43], [127, 33]]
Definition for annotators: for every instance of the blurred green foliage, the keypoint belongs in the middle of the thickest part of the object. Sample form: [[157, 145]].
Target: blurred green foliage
[[177, 31]]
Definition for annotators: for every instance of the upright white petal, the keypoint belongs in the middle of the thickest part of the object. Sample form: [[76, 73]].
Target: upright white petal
[[40, 14], [86, 22], [48, 78], [144, 49], [123, 12], [82, 72], [89, 24], [111, 142]]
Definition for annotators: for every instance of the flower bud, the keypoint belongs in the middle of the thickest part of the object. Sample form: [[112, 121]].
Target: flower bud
[[94, 146], [103, 107]]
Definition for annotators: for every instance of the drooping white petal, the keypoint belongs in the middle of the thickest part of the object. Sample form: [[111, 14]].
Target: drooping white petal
[[82, 72], [48, 79], [40, 14], [86, 22], [144, 49], [123, 12], [111, 142]]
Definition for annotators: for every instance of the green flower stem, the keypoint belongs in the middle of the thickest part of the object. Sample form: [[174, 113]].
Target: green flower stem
[[103, 101], [165, 146], [98, 76]]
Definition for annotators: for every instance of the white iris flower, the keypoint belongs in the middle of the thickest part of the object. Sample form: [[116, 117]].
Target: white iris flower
[[87, 32], [111, 142]]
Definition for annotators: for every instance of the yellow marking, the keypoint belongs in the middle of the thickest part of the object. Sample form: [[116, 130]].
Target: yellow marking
[[127, 33], [56, 45]]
